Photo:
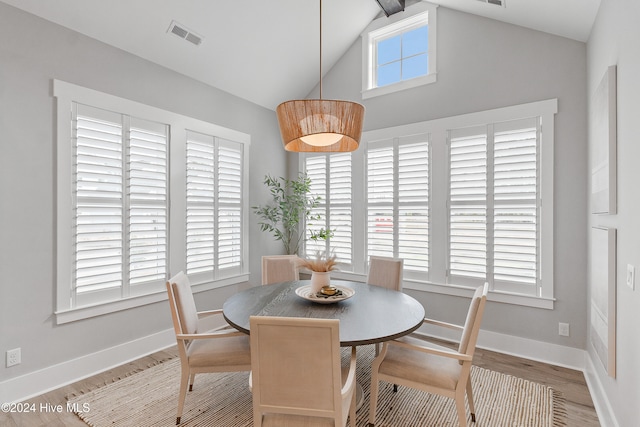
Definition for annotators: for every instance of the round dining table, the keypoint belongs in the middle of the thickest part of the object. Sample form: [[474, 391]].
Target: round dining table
[[373, 314]]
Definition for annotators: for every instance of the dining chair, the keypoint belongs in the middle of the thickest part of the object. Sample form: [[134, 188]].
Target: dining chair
[[419, 364], [216, 350], [296, 374], [279, 268], [385, 272]]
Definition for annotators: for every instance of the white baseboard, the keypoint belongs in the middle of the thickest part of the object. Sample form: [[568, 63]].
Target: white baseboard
[[53, 377], [554, 354], [50, 378], [601, 402]]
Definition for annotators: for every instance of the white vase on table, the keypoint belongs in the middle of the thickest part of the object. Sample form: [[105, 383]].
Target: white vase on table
[[319, 279]]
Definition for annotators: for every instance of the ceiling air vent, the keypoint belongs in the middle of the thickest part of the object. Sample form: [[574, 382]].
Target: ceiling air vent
[[184, 33], [495, 2]]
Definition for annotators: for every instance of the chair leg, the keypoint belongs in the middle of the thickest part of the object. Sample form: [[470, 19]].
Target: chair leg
[[373, 398], [470, 400], [352, 410], [462, 413], [192, 378], [184, 381]]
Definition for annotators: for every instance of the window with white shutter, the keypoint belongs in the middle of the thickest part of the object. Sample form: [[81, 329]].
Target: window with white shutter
[[124, 223], [214, 206], [463, 200], [331, 181], [468, 203], [494, 206], [120, 204], [397, 179]]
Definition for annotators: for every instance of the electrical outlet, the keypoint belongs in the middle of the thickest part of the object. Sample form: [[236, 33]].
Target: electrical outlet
[[563, 329], [13, 357], [631, 275]]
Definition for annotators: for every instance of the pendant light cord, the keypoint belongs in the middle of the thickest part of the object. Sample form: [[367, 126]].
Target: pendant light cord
[[320, 49]]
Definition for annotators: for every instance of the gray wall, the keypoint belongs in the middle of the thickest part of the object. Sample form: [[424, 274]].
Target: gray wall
[[615, 40], [32, 53], [485, 64]]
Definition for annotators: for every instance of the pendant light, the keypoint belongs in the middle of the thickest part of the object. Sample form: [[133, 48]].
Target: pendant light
[[320, 125]]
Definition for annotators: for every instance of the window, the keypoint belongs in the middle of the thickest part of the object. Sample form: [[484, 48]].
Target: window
[[331, 182], [118, 236], [463, 200], [494, 206], [214, 206], [400, 52], [120, 177], [397, 177]]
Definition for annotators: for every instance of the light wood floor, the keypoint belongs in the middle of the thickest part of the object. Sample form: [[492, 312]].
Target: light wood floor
[[579, 406]]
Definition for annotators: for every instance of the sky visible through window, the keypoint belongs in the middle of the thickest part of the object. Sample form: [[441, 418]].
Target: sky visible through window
[[402, 57]]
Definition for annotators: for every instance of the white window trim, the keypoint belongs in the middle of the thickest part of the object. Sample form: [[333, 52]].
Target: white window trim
[[67, 93], [437, 129], [385, 25]]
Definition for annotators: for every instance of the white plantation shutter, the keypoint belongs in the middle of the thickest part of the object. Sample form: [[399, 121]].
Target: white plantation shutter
[[230, 172], [120, 204], [398, 201], [380, 199], [516, 206], [468, 203], [200, 203], [214, 206], [148, 200], [494, 206], [99, 201], [413, 203], [316, 170], [331, 181], [340, 208]]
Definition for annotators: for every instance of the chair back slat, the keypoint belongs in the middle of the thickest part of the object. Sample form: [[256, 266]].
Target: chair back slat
[[279, 268], [472, 323], [385, 272]]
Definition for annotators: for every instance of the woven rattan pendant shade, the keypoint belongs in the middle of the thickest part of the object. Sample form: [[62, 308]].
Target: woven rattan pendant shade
[[320, 125]]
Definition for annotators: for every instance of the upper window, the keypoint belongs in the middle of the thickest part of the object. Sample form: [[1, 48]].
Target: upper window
[[400, 52], [125, 224]]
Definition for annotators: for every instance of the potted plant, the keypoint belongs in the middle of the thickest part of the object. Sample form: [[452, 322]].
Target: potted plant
[[291, 207]]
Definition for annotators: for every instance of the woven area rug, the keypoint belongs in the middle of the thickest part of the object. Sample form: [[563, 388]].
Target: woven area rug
[[149, 398]]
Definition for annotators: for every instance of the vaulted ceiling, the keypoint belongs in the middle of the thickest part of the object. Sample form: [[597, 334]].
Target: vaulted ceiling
[[266, 51]]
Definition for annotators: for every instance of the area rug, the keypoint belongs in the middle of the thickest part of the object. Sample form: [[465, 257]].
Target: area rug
[[149, 398]]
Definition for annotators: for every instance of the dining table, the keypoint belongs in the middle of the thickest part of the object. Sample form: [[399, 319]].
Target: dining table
[[372, 314], [369, 315]]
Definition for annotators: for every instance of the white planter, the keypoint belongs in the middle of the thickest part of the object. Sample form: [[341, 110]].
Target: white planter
[[319, 279]]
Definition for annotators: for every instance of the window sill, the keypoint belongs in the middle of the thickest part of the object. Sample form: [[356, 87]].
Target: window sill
[[86, 312], [460, 291], [397, 87], [496, 296]]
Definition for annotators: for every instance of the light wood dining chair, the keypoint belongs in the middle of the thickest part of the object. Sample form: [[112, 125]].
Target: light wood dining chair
[[419, 364], [296, 377], [385, 272], [217, 350], [279, 268]]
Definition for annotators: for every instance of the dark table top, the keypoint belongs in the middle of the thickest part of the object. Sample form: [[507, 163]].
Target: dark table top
[[374, 314]]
